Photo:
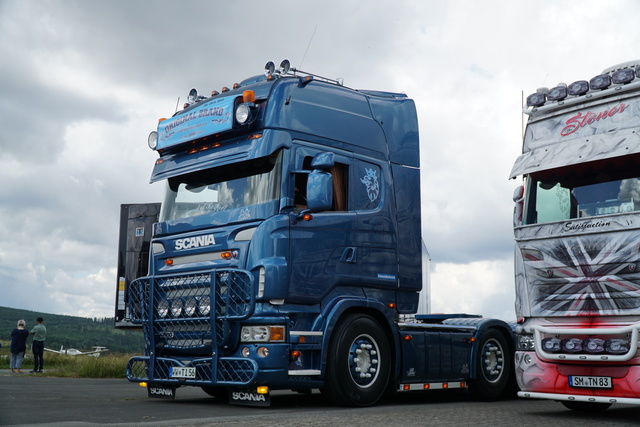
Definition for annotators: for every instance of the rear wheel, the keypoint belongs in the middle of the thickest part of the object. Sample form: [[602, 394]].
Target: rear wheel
[[494, 366], [359, 362], [587, 407]]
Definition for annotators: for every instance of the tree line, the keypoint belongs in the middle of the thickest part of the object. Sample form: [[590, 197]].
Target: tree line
[[81, 333]]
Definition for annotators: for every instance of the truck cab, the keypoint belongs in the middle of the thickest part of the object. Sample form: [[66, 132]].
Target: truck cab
[[288, 248]]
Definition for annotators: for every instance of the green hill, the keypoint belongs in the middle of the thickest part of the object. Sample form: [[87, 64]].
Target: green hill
[[72, 332]]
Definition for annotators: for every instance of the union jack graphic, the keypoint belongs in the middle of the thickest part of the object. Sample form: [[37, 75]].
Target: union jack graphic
[[583, 275]]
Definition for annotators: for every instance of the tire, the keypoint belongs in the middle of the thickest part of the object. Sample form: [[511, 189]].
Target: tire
[[358, 362], [586, 407], [219, 393], [494, 366]]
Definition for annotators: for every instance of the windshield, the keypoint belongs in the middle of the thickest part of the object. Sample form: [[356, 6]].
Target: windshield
[[223, 188], [580, 191]]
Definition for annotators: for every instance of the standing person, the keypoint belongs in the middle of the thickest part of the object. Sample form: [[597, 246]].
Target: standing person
[[18, 346], [39, 333]]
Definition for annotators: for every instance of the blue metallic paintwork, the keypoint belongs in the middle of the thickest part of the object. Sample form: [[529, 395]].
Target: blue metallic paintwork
[[357, 260]]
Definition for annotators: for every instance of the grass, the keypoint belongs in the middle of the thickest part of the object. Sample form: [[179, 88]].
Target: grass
[[108, 365]]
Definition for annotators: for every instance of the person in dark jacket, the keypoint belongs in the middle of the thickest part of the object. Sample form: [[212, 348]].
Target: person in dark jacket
[[18, 346]]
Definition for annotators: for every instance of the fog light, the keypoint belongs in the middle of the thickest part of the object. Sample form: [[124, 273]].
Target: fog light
[[551, 345], [594, 345], [163, 309], [245, 351], [263, 351], [617, 346], [572, 345], [176, 307]]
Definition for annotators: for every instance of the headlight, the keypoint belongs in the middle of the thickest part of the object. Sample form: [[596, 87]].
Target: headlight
[[262, 333], [176, 307], [524, 342], [153, 140], [163, 309], [243, 114], [617, 346], [190, 305]]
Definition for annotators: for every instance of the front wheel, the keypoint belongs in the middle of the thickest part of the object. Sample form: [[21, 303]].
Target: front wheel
[[358, 363], [493, 366], [586, 407]]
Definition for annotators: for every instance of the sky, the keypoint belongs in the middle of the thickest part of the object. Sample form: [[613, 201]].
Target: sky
[[83, 82]]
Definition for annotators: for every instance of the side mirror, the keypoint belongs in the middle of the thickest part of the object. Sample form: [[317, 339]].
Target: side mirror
[[518, 198], [323, 161], [319, 191]]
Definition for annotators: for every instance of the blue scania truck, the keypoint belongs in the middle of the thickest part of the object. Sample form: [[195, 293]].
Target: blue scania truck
[[287, 254]]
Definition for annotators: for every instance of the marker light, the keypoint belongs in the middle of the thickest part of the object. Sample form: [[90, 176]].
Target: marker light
[[622, 77], [153, 140], [558, 93], [578, 88], [214, 93], [602, 82], [249, 96], [262, 390]]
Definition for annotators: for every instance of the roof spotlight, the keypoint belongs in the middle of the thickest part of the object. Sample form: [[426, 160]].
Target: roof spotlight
[[537, 99], [193, 96], [602, 82], [269, 68], [623, 76], [578, 88], [557, 93], [285, 66]]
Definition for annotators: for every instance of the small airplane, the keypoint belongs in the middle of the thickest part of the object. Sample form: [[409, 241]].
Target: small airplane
[[75, 352]]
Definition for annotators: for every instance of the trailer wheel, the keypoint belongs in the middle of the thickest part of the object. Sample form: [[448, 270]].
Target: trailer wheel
[[586, 407], [219, 393], [358, 362], [493, 362]]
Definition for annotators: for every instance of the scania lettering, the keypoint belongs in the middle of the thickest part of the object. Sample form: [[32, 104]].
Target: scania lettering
[[577, 232], [287, 254]]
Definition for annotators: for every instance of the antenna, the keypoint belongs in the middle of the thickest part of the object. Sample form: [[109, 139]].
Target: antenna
[[308, 44], [177, 103]]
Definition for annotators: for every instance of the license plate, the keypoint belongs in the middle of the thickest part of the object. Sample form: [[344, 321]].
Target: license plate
[[590, 382], [182, 372]]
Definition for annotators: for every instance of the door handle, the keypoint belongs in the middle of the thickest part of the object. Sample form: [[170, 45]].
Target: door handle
[[349, 255]]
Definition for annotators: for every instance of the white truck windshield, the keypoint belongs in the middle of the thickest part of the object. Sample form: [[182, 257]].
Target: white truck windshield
[[222, 188], [582, 191]]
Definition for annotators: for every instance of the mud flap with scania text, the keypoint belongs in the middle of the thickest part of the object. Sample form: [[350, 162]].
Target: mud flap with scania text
[[161, 392], [248, 397]]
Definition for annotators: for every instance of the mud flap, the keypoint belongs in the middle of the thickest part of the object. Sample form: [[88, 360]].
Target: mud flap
[[248, 397], [161, 392]]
